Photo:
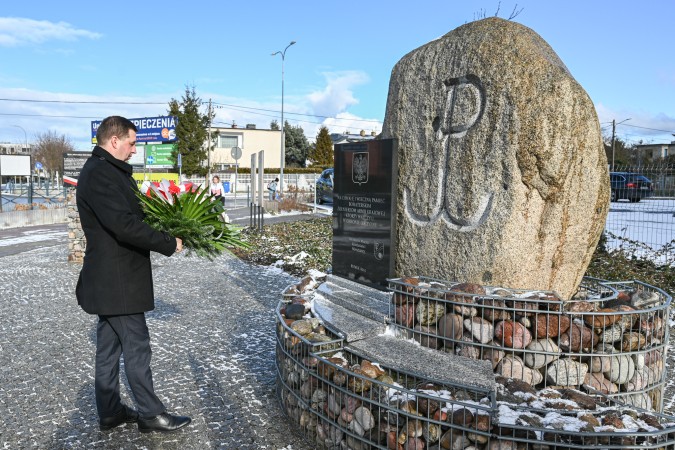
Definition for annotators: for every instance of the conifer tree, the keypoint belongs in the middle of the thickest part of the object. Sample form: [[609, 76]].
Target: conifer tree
[[322, 153], [297, 146], [191, 132]]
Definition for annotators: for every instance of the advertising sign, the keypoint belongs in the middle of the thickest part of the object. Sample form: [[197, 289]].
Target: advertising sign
[[150, 129], [158, 156], [14, 165]]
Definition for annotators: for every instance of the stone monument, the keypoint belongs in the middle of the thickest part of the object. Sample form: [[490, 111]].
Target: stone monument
[[503, 178]]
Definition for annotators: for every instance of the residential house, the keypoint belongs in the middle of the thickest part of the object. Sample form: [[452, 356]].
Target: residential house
[[654, 152], [250, 140]]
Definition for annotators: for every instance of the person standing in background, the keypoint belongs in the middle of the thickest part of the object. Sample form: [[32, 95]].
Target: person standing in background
[[217, 189], [272, 187]]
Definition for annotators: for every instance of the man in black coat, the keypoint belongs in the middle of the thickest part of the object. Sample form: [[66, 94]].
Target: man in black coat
[[116, 279]]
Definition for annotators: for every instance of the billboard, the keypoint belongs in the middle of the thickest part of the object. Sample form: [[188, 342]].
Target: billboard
[[158, 156], [150, 129], [18, 165]]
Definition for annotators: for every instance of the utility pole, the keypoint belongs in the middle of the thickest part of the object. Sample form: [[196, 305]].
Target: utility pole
[[613, 131], [614, 124], [208, 151]]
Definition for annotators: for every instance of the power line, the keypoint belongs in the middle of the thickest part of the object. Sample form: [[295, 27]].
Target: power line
[[80, 102], [304, 120], [236, 107], [296, 114], [646, 128], [48, 115]]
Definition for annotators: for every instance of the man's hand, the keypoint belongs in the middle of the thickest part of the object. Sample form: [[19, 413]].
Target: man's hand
[[179, 245]]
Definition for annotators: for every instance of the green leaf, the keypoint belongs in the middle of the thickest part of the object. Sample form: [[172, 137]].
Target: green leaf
[[196, 219]]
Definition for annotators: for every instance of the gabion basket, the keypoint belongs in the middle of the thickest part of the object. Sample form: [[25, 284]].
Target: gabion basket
[[338, 399], [610, 340]]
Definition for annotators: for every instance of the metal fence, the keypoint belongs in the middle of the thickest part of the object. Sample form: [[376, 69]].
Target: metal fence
[[645, 228]]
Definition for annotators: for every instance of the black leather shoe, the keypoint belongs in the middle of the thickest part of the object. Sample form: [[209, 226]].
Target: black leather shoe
[[163, 423], [126, 415]]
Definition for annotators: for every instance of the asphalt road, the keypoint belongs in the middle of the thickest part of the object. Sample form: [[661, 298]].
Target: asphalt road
[[17, 240]]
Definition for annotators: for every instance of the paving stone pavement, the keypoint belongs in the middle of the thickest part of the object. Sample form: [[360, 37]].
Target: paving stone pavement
[[212, 336]]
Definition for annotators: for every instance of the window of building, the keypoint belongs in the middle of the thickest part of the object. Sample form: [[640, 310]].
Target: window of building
[[227, 141]]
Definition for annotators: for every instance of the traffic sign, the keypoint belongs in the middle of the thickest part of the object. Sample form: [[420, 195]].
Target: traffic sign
[[180, 160], [38, 165], [236, 153]]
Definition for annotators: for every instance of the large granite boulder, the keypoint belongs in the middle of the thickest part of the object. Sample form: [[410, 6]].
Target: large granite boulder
[[502, 172]]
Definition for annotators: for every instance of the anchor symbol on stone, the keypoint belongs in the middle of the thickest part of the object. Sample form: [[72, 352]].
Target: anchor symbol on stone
[[455, 121]]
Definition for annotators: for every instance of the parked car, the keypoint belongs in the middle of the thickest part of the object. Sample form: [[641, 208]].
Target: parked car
[[631, 186], [324, 187]]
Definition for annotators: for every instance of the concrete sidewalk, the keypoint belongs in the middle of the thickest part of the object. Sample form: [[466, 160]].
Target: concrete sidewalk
[[213, 347]]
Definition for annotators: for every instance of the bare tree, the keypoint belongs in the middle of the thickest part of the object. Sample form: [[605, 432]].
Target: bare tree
[[49, 150]]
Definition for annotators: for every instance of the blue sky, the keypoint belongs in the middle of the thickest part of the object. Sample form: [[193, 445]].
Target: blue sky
[[142, 54]]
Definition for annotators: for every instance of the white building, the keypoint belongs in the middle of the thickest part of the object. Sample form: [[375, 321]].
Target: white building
[[7, 148], [250, 140], [653, 152]]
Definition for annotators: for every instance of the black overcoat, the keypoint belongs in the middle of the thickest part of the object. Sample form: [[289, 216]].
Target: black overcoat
[[116, 276]]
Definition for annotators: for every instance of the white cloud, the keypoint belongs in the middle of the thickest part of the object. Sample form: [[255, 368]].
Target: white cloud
[[16, 31], [648, 127], [352, 124], [71, 119], [337, 96]]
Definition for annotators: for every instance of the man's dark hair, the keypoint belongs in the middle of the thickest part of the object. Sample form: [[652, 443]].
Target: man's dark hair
[[114, 126]]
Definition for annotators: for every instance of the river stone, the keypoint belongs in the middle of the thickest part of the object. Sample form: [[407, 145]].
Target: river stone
[[566, 372], [364, 417], [550, 325], [503, 177], [295, 311], [512, 334], [633, 341], [426, 336], [405, 314], [450, 326], [429, 311], [644, 377], [598, 382], [492, 353], [513, 367], [481, 330], [542, 353], [621, 369]]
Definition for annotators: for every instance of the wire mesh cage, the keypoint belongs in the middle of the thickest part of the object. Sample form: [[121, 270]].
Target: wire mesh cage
[[346, 401], [339, 399], [610, 340]]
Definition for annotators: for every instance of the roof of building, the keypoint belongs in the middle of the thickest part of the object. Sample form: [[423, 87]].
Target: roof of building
[[341, 138]]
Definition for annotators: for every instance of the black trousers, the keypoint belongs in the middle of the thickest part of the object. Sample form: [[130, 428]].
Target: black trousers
[[127, 335]]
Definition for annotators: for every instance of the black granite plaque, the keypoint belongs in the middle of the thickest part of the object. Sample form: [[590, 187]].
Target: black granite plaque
[[364, 211]]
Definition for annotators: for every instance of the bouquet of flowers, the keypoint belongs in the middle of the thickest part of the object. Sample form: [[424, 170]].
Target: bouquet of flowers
[[192, 215]]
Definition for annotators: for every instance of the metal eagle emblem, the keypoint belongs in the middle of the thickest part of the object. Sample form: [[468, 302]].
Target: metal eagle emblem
[[360, 168]]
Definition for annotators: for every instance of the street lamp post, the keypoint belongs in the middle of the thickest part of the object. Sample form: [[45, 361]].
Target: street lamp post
[[283, 137], [614, 124], [25, 136]]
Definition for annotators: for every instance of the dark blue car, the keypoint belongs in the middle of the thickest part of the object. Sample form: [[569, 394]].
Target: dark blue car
[[324, 187], [631, 186]]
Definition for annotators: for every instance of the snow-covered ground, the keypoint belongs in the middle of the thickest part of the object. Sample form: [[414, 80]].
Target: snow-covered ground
[[645, 229]]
